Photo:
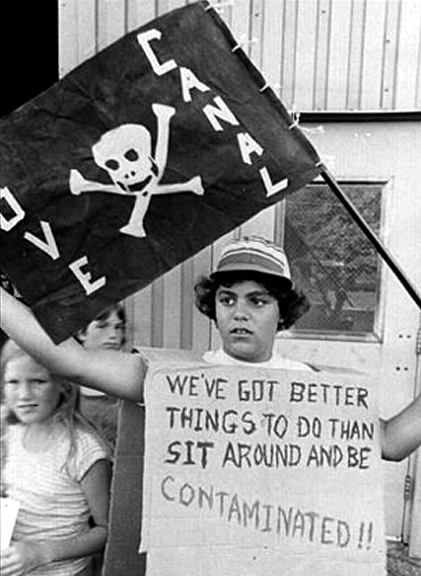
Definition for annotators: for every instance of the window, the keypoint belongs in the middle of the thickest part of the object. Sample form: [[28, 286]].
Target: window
[[332, 260]]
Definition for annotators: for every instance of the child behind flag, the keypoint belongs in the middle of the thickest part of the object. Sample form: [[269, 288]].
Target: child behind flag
[[107, 331]]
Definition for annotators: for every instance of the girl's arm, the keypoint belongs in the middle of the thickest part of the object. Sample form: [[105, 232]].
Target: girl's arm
[[113, 372], [401, 435], [22, 557]]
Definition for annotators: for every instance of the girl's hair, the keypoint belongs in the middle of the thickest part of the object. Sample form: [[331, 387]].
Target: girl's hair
[[68, 407], [292, 302], [119, 309]]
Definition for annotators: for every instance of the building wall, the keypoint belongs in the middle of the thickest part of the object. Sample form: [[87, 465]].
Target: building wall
[[330, 55]]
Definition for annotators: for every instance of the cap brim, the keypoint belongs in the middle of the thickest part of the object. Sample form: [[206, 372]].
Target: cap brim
[[229, 270]]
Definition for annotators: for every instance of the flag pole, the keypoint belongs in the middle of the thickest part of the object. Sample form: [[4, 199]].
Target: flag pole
[[381, 249]]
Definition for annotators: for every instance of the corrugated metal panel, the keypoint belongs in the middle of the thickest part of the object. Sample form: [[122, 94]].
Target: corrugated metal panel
[[317, 55]]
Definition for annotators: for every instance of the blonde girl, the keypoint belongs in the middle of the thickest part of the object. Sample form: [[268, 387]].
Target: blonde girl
[[56, 466]]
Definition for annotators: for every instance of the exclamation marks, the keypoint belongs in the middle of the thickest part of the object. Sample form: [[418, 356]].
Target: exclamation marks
[[365, 538]]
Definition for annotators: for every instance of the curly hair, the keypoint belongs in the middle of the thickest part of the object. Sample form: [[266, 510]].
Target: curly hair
[[292, 302]]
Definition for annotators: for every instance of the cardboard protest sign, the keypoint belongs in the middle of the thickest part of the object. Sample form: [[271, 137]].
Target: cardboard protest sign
[[135, 161], [258, 472]]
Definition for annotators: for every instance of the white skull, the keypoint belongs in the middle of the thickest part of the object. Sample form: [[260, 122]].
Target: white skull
[[125, 153]]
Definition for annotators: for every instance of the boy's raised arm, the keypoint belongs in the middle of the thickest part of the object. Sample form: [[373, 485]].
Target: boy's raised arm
[[113, 372]]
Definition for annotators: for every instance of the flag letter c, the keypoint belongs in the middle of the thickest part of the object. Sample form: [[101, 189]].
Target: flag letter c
[[144, 39]]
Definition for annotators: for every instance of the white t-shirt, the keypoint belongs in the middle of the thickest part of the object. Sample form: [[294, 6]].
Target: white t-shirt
[[276, 361], [52, 502]]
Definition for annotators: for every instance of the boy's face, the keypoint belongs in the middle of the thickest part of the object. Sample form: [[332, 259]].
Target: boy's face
[[30, 392], [247, 317], [107, 333]]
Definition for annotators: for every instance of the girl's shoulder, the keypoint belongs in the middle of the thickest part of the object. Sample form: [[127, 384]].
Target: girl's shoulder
[[88, 448], [88, 437]]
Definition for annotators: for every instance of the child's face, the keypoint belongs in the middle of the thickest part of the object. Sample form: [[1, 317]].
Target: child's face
[[30, 392], [107, 333], [247, 318]]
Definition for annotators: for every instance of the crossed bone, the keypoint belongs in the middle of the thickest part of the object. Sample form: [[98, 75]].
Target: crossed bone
[[78, 184]]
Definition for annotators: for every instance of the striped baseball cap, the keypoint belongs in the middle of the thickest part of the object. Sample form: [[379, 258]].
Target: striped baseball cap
[[253, 254]]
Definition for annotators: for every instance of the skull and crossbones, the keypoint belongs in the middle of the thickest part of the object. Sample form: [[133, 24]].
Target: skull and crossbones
[[125, 153]]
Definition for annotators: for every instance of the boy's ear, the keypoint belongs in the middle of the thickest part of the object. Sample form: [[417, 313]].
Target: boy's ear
[[81, 336]]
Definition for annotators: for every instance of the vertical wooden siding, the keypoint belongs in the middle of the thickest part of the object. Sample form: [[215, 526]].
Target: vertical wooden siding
[[330, 55], [317, 54]]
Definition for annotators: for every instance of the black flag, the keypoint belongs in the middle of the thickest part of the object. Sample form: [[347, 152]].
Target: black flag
[[135, 161]]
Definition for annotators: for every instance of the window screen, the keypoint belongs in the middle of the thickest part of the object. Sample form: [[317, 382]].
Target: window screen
[[331, 258]]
